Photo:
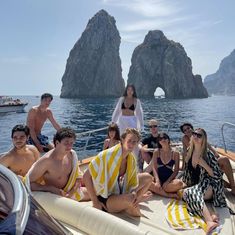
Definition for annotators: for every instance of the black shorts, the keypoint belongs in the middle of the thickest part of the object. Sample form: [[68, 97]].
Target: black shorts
[[104, 201]]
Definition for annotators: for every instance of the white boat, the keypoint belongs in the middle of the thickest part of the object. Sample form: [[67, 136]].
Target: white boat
[[81, 218], [8, 104]]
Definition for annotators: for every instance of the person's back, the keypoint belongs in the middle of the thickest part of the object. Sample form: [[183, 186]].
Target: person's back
[[21, 157]]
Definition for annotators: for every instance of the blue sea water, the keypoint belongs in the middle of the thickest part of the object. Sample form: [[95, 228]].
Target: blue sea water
[[88, 114]]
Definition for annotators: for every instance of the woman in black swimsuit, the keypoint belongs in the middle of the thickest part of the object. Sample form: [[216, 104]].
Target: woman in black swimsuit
[[128, 112], [165, 167]]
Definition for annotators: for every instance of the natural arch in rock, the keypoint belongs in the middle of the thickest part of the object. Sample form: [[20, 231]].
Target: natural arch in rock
[[159, 62]]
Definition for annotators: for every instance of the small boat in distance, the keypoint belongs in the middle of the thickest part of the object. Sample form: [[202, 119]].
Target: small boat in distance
[[8, 104]]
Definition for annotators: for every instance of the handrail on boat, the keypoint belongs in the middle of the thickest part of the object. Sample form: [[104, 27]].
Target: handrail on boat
[[222, 132], [88, 133]]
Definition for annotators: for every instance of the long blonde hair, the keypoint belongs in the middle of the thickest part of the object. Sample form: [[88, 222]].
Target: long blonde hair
[[203, 153]]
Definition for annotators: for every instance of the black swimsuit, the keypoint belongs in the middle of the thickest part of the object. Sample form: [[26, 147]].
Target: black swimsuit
[[132, 107]]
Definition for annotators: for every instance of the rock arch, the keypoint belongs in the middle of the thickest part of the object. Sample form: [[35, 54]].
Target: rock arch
[[159, 62]]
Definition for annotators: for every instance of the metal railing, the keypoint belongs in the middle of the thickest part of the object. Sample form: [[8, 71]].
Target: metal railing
[[88, 137], [222, 132]]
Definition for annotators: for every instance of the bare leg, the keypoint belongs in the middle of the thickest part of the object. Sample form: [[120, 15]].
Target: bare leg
[[174, 186], [226, 167], [145, 181], [86, 196], [209, 220], [159, 190], [123, 202]]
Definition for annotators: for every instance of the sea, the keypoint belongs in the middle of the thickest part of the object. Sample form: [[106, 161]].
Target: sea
[[88, 114]]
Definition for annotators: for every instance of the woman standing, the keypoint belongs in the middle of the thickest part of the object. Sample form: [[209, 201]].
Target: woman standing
[[204, 176], [128, 112]]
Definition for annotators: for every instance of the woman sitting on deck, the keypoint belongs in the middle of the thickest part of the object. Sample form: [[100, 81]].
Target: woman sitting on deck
[[165, 167], [204, 176], [113, 137]]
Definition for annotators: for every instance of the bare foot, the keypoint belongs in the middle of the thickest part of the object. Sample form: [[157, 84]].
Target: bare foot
[[173, 195], [145, 197], [134, 211], [211, 225]]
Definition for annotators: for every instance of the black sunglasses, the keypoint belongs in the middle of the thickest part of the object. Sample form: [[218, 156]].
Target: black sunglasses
[[198, 135], [163, 138], [152, 126]]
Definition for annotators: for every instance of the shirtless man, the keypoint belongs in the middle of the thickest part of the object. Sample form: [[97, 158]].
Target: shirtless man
[[118, 192], [21, 157], [224, 163], [37, 116], [52, 171]]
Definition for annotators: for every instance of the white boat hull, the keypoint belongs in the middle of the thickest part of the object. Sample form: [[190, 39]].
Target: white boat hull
[[12, 108]]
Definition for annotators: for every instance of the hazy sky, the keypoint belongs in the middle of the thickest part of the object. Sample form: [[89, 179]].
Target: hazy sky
[[37, 35]]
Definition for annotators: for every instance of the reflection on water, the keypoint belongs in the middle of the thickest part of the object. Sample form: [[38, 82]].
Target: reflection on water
[[88, 114]]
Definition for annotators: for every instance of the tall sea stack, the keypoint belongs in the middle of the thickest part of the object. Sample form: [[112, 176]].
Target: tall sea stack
[[159, 62], [223, 81], [93, 68]]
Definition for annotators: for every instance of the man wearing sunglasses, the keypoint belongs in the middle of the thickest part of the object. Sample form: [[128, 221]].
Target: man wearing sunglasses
[[148, 144], [224, 163]]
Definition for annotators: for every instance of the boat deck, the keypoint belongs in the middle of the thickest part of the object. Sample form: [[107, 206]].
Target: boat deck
[[81, 218]]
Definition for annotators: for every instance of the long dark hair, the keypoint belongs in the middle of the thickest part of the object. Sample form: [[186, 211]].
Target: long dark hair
[[133, 88], [114, 127]]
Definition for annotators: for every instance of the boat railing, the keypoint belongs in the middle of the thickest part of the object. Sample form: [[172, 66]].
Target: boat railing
[[88, 134], [222, 132], [98, 136]]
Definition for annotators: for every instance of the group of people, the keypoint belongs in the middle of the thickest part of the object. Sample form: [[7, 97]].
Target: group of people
[[128, 170]]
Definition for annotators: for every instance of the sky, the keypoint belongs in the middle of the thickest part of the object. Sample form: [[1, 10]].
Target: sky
[[37, 35]]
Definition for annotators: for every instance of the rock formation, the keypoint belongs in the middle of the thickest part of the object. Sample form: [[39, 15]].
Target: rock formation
[[223, 81], [93, 68], [159, 62]]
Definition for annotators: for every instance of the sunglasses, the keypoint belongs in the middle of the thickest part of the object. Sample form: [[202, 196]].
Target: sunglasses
[[162, 138], [198, 135], [152, 126]]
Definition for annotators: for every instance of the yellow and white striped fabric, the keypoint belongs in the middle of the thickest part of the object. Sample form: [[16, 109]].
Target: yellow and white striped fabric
[[178, 217], [104, 169], [75, 174]]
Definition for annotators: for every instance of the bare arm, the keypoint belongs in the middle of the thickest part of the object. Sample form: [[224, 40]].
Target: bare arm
[[6, 160], [212, 149], [91, 190], [154, 166], [52, 120], [37, 172], [35, 152], [31, 125]]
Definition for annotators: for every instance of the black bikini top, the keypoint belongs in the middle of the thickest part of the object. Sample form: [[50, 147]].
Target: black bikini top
[[132, 107]]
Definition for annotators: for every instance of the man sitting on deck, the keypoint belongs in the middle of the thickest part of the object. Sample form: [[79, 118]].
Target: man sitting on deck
[[21, 157], [149, 144], [111, 178], [58, 171], [224, 163], [37, 116]]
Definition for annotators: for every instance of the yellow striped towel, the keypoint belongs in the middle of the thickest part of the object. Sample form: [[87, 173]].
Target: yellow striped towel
[[178, 217], [75, 174], [104, 169]]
